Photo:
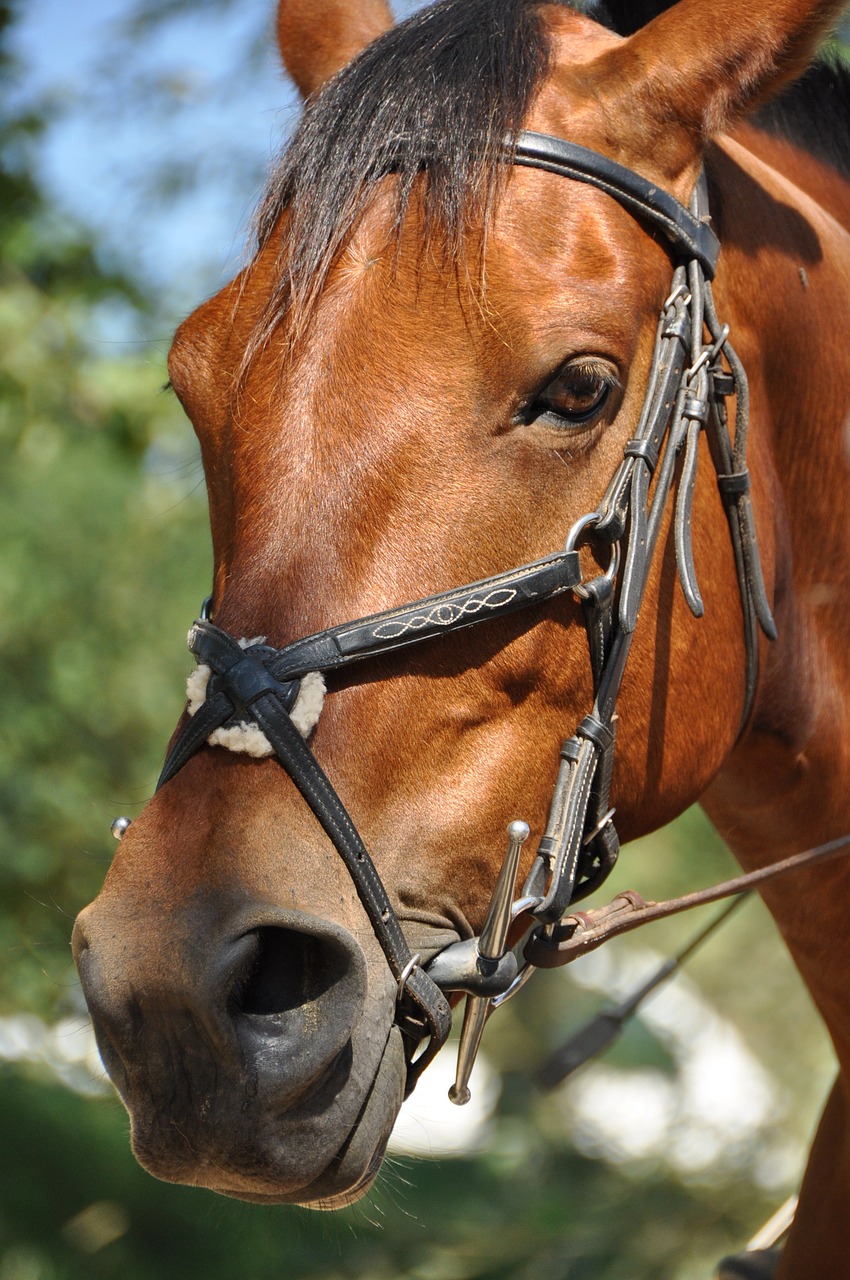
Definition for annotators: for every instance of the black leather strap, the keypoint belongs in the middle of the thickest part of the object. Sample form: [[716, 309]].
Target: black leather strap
[[425, 619], [259, 683], [193, 734], [597, 600], [243, 687], [431, 1013], [693, 237]]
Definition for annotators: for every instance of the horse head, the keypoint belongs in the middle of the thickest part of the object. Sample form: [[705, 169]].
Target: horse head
[[428, 372]]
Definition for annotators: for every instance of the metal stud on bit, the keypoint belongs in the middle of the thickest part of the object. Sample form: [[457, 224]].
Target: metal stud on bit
[[491, 948], [118, 826]]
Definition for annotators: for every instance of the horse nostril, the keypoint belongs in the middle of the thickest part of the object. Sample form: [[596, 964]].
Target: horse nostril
[[288, 970], [293, 1001], [263, 1008]]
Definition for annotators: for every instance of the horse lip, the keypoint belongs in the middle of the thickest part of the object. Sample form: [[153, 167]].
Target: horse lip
[[337, 1200], [344, 1198], [427, 939], [384, 1097], [321, 1091], [321, 1192]]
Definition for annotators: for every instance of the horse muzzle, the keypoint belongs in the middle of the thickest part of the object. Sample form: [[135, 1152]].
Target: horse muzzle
[[256, 1054]]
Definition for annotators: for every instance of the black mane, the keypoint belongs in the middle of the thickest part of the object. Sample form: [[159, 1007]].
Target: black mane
[[437, 95]]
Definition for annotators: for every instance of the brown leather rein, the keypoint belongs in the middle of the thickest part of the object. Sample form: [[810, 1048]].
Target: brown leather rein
[[583, 931]]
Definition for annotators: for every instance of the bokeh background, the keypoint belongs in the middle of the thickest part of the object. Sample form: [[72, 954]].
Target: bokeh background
[[134, 136]]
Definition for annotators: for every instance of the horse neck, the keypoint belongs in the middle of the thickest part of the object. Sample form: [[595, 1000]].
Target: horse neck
[[786, 786]]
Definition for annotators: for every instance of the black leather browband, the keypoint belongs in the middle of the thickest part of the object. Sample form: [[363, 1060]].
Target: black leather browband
[[646, 199]]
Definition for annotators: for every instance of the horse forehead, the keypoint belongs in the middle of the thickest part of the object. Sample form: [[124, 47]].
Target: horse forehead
[[406, 362], [558, 254], [400, 330], [571, 249]]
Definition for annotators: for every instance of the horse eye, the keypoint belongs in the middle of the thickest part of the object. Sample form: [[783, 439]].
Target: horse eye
[[575, 396]]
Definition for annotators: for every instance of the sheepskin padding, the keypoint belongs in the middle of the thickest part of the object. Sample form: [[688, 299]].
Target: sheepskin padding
[[248, 738]]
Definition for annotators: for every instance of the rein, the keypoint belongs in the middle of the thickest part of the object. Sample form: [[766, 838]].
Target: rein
[[583, 931], [689, 380]]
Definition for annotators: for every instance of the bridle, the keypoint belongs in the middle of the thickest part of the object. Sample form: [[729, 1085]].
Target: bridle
[[694, 369]]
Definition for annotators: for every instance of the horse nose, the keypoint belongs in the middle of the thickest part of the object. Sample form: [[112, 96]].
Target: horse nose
[[268, 1006]]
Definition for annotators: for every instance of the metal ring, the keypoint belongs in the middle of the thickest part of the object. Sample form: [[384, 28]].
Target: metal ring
[[702, 359], [708, 353], [405, 974], [610, 573], [600, 826], [584, 522], [681, 291], [518, 983], [589, 521], [720, 340], [525, 904], [614, 564]]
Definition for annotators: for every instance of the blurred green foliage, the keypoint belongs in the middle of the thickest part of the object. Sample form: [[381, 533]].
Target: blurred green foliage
[[103, 559], [105, 555], [78, 1208]]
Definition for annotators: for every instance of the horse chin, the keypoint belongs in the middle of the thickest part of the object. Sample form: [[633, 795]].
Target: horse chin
[[266, 1176]]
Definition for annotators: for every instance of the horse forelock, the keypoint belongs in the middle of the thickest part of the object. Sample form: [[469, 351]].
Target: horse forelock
[[434, 98], [431, 102]]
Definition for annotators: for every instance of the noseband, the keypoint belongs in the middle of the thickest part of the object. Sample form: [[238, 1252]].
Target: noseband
[[694, 368]]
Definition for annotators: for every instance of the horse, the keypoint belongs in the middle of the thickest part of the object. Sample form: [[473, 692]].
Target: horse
[[518, 280]]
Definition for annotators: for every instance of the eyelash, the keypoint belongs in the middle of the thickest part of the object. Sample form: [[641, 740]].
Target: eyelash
[[600, 381]]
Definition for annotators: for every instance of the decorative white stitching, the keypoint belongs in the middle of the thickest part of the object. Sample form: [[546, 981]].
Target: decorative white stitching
[[445, 614]]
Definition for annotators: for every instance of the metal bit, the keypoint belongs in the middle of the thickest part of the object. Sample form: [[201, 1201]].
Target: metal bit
[[118, 826], [491, 948]]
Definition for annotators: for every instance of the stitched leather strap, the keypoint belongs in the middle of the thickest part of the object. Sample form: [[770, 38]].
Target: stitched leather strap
[[431, 1011], [425, 619], [580, 844]]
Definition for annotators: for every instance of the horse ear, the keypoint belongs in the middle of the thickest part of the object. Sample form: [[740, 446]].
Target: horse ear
[[317, 37], [702, 64]]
